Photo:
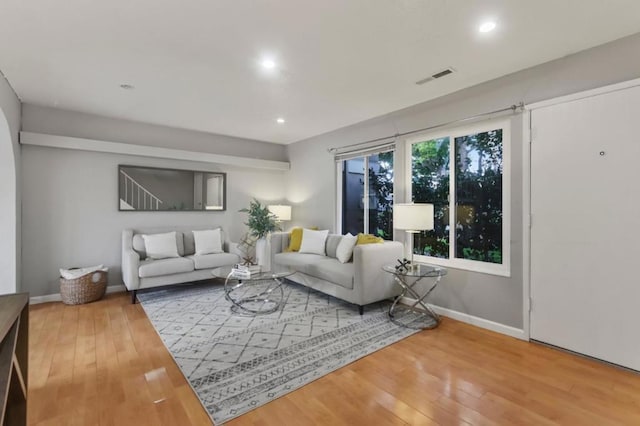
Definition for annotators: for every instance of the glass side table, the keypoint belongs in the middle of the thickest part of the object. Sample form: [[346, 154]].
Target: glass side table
[[418, 314]]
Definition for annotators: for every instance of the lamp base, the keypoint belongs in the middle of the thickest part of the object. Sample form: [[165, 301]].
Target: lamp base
[[412, 265]]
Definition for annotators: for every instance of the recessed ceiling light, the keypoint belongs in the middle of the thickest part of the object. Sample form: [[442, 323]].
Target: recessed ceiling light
[[280, 120], [268, 64], [487, 26], [126, 86]]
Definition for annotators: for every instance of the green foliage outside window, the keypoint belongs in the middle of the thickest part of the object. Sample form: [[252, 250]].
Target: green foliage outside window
[[478, 195], [477, 189], [381, 186], [430, 184]]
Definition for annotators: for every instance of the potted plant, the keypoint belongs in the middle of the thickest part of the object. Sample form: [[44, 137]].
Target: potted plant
[[261, 222]]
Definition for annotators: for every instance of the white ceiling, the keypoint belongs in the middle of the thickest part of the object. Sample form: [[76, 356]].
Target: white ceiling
[[196, 64]]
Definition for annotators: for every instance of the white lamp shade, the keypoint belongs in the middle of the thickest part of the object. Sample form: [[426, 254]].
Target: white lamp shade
[[413, 217], [281, 212]]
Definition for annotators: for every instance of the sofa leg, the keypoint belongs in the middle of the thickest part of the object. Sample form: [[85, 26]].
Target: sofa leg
[[361, 309], [133, 296]]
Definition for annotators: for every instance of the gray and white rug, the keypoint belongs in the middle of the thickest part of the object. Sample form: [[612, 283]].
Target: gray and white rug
[[236, 363]]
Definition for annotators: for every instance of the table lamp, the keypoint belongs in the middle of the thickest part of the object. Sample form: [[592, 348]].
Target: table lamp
[[412, 218], [281, 212]]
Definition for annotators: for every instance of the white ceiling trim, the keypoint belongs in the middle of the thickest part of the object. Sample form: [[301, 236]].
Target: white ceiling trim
[[68, 142], [585, 94]]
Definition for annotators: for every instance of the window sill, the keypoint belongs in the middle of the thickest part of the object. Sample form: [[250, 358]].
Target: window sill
[[466, 265]]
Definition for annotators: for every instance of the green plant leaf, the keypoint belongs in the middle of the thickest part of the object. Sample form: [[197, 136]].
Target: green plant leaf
[[261, 221]]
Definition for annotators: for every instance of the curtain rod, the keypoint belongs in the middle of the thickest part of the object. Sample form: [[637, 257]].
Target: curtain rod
[[512, 108]]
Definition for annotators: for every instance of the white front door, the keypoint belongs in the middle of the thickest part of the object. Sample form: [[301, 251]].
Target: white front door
[[585, 235]]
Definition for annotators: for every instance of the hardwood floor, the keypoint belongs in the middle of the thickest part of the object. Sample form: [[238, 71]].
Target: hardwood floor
[[103, 364]]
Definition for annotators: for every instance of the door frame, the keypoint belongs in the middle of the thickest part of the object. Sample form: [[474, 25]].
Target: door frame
[[526, 223], [528, 137]]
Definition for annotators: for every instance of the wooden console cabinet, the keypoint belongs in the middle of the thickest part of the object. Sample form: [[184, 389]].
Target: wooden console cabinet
[[14, 357]]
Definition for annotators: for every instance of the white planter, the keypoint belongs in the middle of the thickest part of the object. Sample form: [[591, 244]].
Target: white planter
[[263, 253]]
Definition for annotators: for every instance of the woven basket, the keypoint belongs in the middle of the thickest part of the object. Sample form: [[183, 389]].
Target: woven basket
[[85, 289]]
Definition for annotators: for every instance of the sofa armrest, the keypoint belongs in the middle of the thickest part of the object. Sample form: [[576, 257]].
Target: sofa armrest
[[370, 281], [130, 261], [278, 242]]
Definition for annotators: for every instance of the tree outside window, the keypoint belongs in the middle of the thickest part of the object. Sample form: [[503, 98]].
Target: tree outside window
[[477, 195], [430, 184]]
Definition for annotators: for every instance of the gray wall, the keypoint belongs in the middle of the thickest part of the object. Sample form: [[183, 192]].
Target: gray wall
[[81, 125], [9, 189], [70, 214], [312, 178]]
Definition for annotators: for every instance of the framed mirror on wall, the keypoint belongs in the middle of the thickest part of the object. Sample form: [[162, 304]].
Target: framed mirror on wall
[[158, 189]]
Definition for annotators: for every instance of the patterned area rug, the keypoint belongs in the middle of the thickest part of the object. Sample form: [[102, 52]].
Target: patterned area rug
[[236, 362]]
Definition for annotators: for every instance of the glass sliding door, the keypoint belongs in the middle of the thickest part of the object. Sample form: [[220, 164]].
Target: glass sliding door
[[367, 195], [352, 196]]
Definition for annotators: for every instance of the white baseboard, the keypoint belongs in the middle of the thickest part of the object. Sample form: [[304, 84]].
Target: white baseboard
[[57, 298], [476, 321], [459, 316]]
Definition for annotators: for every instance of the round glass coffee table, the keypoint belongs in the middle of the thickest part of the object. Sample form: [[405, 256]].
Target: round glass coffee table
[[420, 314], [261, 293]]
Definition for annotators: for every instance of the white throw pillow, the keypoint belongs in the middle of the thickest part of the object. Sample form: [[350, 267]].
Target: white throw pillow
[[161, 246], [345, 247], [313, 241], [208, 242]]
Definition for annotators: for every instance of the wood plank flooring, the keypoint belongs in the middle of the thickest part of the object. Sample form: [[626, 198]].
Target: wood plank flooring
[[103, 364]]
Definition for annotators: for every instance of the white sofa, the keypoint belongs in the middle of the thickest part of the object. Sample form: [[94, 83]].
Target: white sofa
[[140, 272], [360, 281]]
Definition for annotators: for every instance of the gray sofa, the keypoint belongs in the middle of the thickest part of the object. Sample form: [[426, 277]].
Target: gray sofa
[[360, 281], [140, 272]]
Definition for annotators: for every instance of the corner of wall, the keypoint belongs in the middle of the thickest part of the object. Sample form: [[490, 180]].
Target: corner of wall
[[10, 162]]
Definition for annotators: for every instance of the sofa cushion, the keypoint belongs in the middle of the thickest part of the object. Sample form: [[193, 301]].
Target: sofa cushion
[[139, 247], [332, 244], [208, 241], [319, 266], [332, 270], [190, 244], [156, 268], [344, 252], [297, 261], [161, 246], [208, 261], [369, 239], [295, 239], [314, 241]]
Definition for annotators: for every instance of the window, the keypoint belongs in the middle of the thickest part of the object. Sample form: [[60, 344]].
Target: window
[[367, 198], [462, 173]]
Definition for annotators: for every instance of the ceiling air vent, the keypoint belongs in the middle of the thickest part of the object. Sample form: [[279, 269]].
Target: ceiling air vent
[[439, 74]]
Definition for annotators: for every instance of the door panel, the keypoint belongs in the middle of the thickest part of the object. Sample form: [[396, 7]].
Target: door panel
[[585, 236]]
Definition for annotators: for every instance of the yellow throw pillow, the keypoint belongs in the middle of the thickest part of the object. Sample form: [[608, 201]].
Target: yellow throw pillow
[[295, 240], [368, 239]]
